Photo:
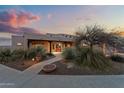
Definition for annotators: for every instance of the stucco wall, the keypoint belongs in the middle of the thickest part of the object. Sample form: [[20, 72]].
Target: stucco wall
[[35, 43], [17, 42]]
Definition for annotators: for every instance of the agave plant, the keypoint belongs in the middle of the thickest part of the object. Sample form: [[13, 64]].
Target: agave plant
[[5, 55], [36, 51], [19, 54]]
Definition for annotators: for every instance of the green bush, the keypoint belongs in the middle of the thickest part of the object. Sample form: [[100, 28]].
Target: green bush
[[5, 55], [19, 54], [34, 51], [69, 53], [117, 58]]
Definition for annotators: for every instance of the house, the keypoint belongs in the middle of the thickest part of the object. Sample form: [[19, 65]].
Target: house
[[51, 42]]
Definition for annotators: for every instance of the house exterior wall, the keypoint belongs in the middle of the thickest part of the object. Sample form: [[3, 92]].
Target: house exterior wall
[[17, 42], [36, 43], [29, 41]]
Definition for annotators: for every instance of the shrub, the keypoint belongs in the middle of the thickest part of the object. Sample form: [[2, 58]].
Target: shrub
[[19, 54], [92, 58], [117, 58], [5, 55], [34, 51], [69, 53], [50, 54]]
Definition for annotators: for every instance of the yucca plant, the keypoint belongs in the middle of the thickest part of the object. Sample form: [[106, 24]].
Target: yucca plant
[[91, 58]]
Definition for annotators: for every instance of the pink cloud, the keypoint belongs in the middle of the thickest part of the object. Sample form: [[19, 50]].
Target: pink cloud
[[8, 28], [17, 18]]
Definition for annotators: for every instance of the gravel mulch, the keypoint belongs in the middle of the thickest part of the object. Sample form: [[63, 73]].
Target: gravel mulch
[[64, 69]]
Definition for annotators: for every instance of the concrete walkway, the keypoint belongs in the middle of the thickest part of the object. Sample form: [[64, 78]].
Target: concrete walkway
[[37, 67], [30, 79]]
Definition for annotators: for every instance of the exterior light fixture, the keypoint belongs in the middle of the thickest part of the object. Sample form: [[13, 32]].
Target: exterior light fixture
[[19, 44]]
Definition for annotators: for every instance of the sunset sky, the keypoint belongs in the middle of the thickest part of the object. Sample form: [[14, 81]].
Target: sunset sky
[[58, 19]]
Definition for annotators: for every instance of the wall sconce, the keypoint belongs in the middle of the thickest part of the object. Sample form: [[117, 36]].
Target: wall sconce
[[19, 44]]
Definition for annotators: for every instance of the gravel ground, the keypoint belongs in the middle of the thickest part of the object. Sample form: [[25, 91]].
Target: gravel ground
[[69, 69]]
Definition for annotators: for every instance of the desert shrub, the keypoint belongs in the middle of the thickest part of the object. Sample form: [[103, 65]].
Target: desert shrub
[[19, 54], [93, 59], [69, 53], [5, 55], [34, 51], [50, 54], [117, 58]]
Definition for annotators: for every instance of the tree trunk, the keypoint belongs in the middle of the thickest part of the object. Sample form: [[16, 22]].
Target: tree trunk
[[104, 48], [91, 46], [115, 51]]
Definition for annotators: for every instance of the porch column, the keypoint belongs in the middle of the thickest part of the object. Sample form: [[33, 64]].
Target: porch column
[[50, 47]]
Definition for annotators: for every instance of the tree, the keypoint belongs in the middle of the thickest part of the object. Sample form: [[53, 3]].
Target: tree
[[96, 35], [89, 35], [89, 56]]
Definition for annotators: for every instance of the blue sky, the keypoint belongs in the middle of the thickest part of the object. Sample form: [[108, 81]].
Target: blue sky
[[66, 19]]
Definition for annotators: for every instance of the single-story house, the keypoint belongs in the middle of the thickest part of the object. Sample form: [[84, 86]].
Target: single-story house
[[51, 42]]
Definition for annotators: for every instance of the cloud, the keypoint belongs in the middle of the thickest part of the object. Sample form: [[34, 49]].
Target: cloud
[[19, 30], [17, 18], [14, 21], [49, 16], [85, 18], [90, 14], [7, 28]]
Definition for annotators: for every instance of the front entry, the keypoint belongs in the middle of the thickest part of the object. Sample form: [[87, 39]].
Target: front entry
[[50, 46], [56, 46], [59, 46]]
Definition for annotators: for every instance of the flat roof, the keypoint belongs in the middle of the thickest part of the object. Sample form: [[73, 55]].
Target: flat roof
[[50, 37]]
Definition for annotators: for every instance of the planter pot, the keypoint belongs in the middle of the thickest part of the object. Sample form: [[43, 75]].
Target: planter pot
[[49, 68]]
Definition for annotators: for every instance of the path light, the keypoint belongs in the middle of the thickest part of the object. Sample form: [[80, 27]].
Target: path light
[[33, 59]]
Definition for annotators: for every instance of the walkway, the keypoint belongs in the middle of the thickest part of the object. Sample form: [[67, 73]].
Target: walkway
[[36, 68]]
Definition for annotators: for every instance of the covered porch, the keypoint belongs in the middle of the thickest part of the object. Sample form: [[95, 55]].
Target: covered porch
[[50, 46]]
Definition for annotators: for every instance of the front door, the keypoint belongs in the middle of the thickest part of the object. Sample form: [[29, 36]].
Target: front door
[[58, 47]]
